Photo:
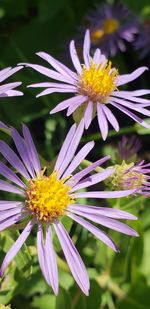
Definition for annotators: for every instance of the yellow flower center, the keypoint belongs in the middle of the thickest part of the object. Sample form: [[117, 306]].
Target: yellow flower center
[[109, 26], [98, 82], [48, 197], [122, 179]]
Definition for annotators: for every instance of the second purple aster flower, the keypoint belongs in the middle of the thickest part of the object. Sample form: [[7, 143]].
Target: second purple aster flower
[[95, 87]]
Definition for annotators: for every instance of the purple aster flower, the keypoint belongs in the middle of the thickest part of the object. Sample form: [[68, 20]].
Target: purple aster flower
[[129, 176], [95, 86], [46, 198], [128, 148], [142, 42], [111, 26], [7, 90]]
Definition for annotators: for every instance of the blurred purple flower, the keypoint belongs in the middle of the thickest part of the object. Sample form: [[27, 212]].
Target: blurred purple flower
[[111, 26], [7, 90], [128, 148], [142, 42], [45, 199], [95, 85]]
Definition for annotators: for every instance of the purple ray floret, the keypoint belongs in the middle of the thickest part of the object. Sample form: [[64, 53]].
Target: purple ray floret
[[8, 90]]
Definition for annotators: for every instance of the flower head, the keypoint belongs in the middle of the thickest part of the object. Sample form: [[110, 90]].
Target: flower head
[[95, 86], [130, 176], [7, 90], [111, 26], [142, 42], [46, 198]]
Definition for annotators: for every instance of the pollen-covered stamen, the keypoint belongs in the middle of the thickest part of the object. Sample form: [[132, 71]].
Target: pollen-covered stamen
[[48, 197], [127, 176], [98, 82]]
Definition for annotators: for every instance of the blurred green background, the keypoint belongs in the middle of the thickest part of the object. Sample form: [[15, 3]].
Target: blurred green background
[[118, 281]]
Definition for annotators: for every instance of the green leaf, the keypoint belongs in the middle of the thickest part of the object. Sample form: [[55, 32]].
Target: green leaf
[[46, 301], [23, 258]]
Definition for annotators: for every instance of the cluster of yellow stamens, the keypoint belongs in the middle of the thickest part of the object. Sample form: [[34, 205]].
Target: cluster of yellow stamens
[[109, 26], [98, 82], [48, 197], [123, 178]]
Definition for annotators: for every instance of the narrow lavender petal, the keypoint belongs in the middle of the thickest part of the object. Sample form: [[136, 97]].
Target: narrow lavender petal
[[9, 86], [5, 186], [104, 211], [56, 90], [136, 107], [72, 148], [76, 178], [6, 214], [50, 73], [102, 121], [111, 118], [69, 102], [9, 174], [12, 93], [88, 115], [73, 258], [62, 69], [93, 179], [105, 194], [41, 253], [74, 57], [73, 107], [64, 148], [126, 78], [3, 126], [86, 49], [132, 115], [95, 231], [16, 247], [6, 205], [11, 221], [50, 85], [31, 150], [10, 72], [110, 223], [96, 57], [22, 149], [13, 159], [51, 260], [80, 156], [3, 71], [133, 93]]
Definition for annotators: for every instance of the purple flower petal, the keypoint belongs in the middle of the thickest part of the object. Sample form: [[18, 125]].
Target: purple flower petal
[[74, 57], [93, 179], [56, 90], [22, 149], [126, 78], [104, 194], [95, 231], [8, 173], [111, 118], [31, 150], [110, 223], [5, 186], [65, 146], [72, 148], [76, 178], [69, 102], [5, 205], [88, 115], [86, 49], [102, 121], [73, 258], [13, 159], [11, 221], [8, 72], [16, 247], [80, 156], [104, 211]]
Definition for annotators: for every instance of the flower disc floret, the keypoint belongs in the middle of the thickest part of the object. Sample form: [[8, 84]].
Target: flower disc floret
[[48, 197], [98, 82]]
